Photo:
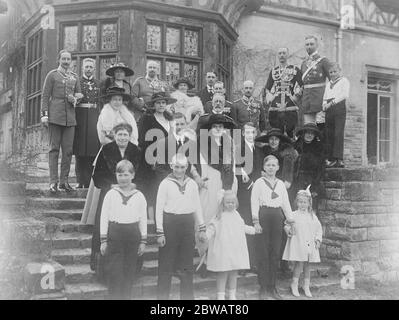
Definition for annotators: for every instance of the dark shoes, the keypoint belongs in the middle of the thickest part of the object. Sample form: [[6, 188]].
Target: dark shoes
[[66, 187], [275, 294], [53, 188]]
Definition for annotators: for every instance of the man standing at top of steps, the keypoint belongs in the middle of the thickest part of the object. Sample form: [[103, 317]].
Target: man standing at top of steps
[[61, 93]]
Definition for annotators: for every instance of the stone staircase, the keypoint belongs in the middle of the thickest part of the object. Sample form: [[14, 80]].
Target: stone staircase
[[71, 242]]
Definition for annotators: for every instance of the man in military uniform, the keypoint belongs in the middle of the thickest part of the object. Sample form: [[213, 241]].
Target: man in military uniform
[[86, 143], [315, 71], [60, 95], [219, 88], [281, 93], [144, 87], [248, 109], [206, 94]]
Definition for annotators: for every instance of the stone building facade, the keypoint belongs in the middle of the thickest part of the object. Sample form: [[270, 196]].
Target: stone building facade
[[239, 39]]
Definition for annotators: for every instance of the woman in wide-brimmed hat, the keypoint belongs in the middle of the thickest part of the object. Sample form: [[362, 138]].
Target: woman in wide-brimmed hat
[[309, 167], [117, 77], [159, 120], [190, 106], [214, 170]]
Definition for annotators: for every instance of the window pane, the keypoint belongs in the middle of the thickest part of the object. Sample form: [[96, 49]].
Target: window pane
[[109, 36], [384, 129], [89, 37], [191, 43], [384, 151], [105, 63], [153, 38], [173, 40], [71, 38], [191, 72], [172, 72], [384, 107]]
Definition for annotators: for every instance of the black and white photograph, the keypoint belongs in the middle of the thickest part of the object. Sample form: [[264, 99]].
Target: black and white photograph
[[199, 150]]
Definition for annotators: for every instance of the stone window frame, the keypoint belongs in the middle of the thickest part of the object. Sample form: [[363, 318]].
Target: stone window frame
[[79, 55], [34, 78], [392, 75], [163, 57]]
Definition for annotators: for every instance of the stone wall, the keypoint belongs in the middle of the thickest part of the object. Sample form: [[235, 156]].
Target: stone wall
[[360, 218]]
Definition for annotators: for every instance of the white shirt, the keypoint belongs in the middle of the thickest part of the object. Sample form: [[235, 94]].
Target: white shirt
[[170, 199], [114, 210], [262, 196], [250, 145], [338, 91]]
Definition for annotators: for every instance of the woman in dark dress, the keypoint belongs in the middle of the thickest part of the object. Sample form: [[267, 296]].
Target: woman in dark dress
[[104, 175], [309, 167], [160, 121]]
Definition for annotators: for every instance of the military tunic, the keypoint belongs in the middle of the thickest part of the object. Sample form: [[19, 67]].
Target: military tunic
[[314, 82], [284, 83], [58, 85], [249, 110], [87, 111]]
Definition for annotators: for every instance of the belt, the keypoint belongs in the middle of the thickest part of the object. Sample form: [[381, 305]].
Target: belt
[[87, 105], [314, 85], [293, 108], [177, 214]]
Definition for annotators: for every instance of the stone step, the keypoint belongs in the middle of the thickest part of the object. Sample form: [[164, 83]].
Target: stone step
[[12, 188], [150, 267], [55, 203], [79, 273], [65, 214], [42, 190], [85, 291], [44, 178], [71, 256], [74, 226], [61, 240]]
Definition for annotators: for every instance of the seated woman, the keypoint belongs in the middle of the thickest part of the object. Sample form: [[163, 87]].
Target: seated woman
[[190, 106], [104, 174]]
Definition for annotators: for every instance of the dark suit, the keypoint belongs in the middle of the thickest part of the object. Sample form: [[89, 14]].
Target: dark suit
[[244, 154], [162, 166], [205, 95]]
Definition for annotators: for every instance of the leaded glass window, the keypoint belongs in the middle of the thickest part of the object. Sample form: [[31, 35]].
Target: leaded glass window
[[89, 37], [177, 49], [173, 40], [191, 39], [96, 39], [71, 38], [109, 36], [154, 38]]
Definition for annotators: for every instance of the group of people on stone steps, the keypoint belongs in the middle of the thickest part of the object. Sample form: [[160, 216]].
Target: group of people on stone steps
[[207, 171]]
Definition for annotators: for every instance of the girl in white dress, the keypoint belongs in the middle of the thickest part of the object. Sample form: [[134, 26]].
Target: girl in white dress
[[304, 239], [228, 251]]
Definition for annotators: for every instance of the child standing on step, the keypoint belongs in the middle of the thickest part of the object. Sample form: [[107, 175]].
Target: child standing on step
[[303, 242], [228, 251], [123, 230]]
